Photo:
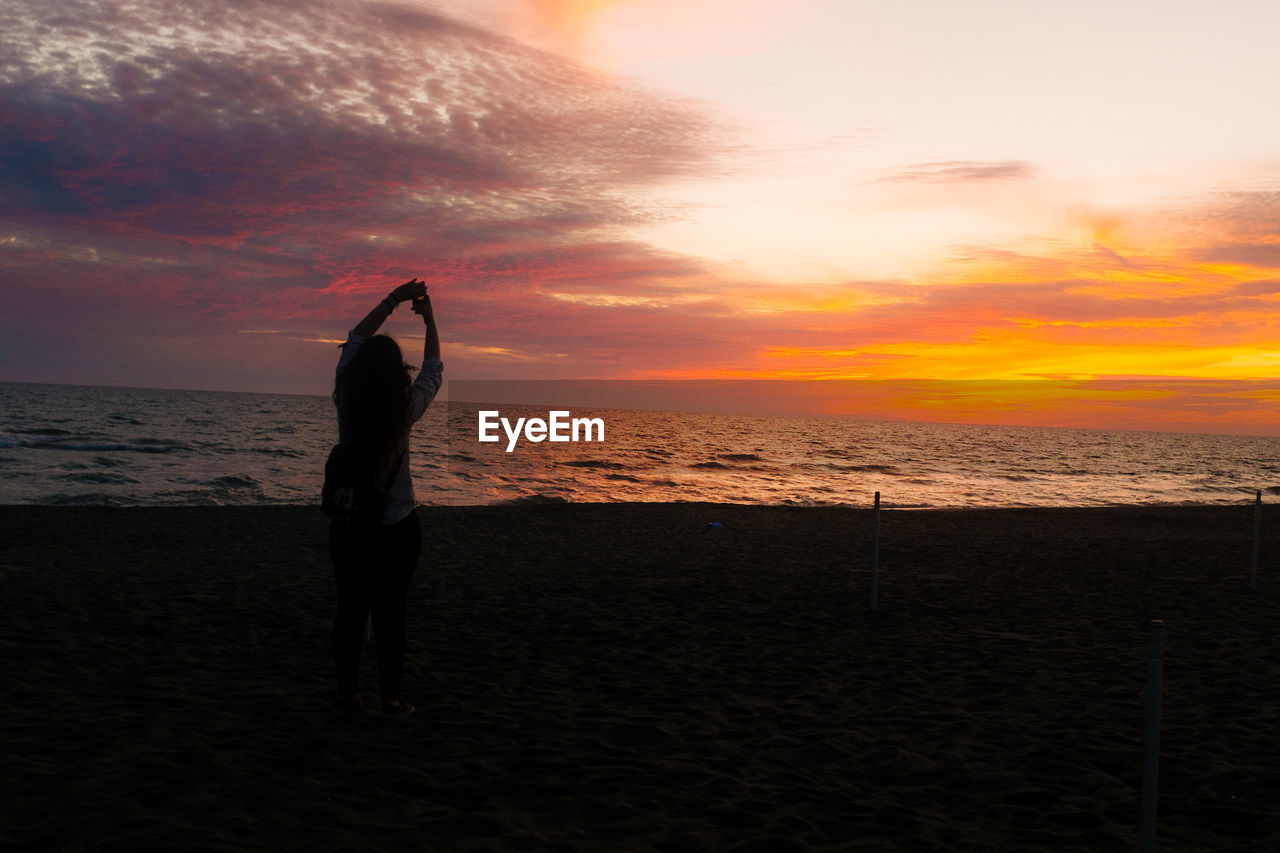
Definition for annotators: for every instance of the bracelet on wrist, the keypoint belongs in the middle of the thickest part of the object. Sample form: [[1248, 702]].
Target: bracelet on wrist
[[391, 302]]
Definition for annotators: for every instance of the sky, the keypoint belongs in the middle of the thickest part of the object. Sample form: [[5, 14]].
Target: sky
[[207, 195]]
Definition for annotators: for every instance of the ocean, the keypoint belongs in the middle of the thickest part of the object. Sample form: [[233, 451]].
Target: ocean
[[73, 445]]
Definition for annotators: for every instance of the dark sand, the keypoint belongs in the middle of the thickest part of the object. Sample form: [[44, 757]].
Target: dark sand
[[618, 677]]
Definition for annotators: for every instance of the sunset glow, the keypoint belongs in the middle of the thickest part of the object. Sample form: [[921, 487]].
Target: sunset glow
[[205, 195]]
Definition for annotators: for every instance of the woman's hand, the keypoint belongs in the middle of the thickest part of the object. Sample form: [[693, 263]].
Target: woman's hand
[[373, 320], [422, 305], [411, 289]]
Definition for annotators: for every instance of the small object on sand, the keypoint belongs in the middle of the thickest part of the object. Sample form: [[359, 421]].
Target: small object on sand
[[714, 525]]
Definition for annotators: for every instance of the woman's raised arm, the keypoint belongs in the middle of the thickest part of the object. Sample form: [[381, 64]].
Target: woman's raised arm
[[368, 327]]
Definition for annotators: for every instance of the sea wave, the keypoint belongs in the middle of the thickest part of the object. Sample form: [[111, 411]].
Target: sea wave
[[46, 442], [595, 463], [236, 481], [98, 478], [85, 499], [536, 499]]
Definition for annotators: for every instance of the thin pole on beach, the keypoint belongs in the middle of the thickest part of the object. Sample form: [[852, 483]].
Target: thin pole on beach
[[1257, 536], [1151, 743], [875, 552]]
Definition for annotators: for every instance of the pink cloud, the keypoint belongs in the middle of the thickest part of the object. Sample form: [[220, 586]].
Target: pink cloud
[[407, 126], [284, 156], [1262, 255], [963, 171]]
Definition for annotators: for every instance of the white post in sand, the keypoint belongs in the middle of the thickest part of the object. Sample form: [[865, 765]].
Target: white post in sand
[[875, 551], [1151, 744], [1257, 535]]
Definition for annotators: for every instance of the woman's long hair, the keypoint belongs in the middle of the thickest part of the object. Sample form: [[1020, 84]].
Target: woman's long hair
[[372, 394]]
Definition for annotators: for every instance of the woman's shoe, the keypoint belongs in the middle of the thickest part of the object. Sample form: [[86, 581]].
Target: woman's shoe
[[347, 709], [396, 712]]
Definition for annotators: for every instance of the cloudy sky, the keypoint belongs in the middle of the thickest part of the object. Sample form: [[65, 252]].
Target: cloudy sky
[[208, 193]]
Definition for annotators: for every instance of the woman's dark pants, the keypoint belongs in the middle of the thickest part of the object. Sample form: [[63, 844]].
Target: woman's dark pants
[[373, 566]]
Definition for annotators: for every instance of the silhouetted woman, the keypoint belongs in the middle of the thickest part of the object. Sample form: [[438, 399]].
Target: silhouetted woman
[[377, 404]]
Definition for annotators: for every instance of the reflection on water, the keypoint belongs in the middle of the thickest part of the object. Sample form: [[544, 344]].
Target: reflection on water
[[73, 445]]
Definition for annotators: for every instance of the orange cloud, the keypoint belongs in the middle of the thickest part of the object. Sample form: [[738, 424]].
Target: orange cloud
[[571, 15]]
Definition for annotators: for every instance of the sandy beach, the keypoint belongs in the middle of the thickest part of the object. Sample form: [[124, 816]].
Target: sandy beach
[[624, 677]]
